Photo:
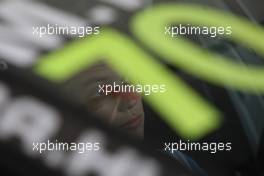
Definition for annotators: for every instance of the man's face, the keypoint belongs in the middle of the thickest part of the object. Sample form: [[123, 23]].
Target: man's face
[[118, 109]]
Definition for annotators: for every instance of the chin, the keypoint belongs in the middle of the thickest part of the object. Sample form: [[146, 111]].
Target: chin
[[137, 133]]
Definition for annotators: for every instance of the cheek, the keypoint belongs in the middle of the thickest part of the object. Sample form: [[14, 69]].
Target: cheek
[[139, 106], [132, 112], [104, 109]]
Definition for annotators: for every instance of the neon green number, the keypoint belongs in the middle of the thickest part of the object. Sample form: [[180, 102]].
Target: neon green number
[[149, 27], [180, 106]]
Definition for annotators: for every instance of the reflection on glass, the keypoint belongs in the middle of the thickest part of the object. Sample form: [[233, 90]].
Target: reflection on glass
[[121, 110]]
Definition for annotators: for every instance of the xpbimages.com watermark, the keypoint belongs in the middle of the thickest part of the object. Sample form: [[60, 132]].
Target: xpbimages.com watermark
[[80, 147], [212, 31], [79, 31], [212, 147], [123, 87]]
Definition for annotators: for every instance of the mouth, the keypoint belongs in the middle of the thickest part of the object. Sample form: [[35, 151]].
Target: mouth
[[133, 123]]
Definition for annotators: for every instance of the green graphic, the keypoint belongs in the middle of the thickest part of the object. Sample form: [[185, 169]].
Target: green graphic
[[149, 26], [180, 106]]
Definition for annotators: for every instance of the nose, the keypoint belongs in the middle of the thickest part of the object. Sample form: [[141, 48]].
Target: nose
[[128, 101]]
